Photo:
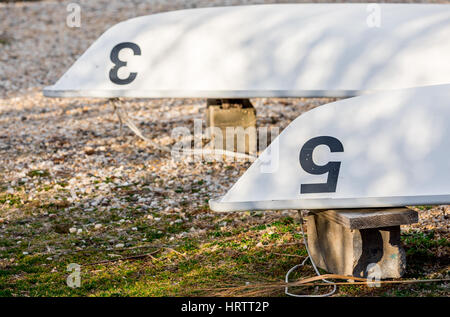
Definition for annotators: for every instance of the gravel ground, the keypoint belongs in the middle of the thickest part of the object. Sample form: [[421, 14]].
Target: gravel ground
[[72, 153]]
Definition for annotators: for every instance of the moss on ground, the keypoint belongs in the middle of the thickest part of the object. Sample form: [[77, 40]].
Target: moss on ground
[[130, 255]]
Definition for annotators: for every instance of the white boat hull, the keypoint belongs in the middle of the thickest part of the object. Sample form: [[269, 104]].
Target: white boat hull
[[378, 150], [280, 50]]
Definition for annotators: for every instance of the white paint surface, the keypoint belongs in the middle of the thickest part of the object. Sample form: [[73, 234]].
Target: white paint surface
[[396, 153], [281, 50]]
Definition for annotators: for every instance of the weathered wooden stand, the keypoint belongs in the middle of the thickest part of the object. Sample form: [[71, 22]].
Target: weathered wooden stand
[[356, 242], [237, 114]]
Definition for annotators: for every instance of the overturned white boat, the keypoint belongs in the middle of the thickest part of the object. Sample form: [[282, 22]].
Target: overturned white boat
[[378, 150], [280, 50]]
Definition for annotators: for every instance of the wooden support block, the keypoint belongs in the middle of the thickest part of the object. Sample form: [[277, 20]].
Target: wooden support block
[[239, 116], [370, 217], [359, 242]]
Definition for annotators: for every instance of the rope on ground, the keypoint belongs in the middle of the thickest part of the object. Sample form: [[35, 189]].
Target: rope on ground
[[259, 289], [286, 289]]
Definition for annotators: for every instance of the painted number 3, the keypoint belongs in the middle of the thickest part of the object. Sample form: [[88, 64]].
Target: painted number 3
[[114, 56], [332, 168]]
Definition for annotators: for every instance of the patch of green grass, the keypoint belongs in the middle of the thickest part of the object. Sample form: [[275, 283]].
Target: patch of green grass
[[179, 190], [38, 173], [11, 199], [4, 40], [218, 234], [259, 227], [421, 243], [424, 207]]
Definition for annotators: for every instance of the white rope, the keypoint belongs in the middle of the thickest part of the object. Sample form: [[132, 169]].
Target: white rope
[[124, 118], [286, 290]]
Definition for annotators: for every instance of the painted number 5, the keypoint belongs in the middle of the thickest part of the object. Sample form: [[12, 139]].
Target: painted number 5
[[114, 56], [332, 168]]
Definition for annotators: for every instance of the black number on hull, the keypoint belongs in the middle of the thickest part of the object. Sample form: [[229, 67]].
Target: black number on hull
[[114, 56], [332, 168]]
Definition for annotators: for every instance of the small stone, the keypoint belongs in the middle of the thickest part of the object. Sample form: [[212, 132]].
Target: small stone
[[134, 229], [73, 230], [88, 150], [79, 231], [25, 253], [150, 217], [120, 245], [98, 226]]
